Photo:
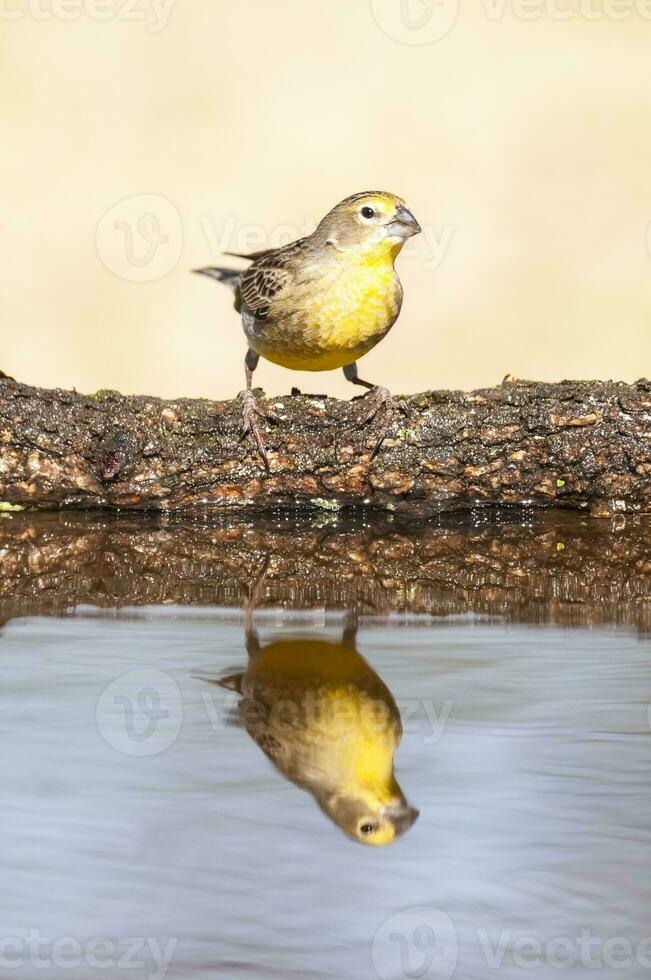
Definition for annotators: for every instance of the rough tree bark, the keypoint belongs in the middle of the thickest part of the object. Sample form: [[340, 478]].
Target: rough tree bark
[[577, 445]]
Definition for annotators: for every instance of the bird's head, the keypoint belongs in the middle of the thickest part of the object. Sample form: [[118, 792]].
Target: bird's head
[[369, 816], [374, 221]]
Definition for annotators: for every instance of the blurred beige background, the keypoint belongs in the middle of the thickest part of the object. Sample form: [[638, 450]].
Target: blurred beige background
[[519, 134]]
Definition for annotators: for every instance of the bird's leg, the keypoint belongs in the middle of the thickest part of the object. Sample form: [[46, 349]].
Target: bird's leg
[[382, 400], [250, 410], [349, 638], [255, 593]]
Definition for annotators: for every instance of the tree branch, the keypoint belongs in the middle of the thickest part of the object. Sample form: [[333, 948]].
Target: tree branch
[[578, 445]]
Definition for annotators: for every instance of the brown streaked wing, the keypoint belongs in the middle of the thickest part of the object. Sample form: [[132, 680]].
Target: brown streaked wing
[[267, 276]]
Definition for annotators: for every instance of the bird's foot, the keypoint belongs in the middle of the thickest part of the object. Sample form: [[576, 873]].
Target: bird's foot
[[251, 412], [383, 401]]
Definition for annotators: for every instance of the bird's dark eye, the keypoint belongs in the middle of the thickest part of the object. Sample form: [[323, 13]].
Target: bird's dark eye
[[367, 828], [368, 213]]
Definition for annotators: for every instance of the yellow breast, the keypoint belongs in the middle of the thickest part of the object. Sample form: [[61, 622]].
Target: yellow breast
[[334, 321]]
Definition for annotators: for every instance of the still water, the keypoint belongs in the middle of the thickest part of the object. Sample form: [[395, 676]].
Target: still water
[[193, 790]]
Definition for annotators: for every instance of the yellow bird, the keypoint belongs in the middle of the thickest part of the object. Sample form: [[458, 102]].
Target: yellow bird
[[330, 725], [326, 300]]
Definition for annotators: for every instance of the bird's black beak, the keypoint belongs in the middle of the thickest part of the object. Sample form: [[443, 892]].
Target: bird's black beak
[[403, 224]]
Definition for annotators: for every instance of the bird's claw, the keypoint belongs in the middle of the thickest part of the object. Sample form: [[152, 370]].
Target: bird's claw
[[251, 412], [383, 401]]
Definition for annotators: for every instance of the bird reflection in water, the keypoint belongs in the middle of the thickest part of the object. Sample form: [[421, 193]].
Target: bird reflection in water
[[329, 724]]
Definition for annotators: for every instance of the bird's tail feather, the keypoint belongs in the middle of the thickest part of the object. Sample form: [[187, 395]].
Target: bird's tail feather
[[230, 277], [230, 682]]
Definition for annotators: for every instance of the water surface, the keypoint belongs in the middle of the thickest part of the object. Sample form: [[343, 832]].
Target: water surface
[[137, 808]]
